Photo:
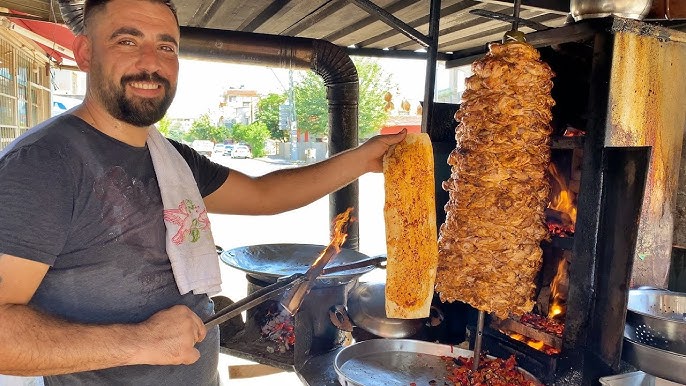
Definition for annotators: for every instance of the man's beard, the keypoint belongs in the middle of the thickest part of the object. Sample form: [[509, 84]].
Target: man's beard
[[141, 112]]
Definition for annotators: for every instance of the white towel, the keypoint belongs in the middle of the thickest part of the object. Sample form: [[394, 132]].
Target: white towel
[[190, 245]]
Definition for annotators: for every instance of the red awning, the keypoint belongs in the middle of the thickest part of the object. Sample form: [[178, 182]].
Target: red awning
[[55, 39]]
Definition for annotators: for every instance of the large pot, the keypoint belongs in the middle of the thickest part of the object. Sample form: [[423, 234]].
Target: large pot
[[631, 9], [367, 310]]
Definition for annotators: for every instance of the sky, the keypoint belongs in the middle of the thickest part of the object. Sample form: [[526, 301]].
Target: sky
[[201, 83]]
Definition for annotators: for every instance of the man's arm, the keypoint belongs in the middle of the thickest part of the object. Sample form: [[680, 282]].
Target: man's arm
[[288, 189], [33, 343]]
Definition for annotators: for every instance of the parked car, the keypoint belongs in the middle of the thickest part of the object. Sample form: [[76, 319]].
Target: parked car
[[241, 151], [203, 147], [227, 150], [219, 148]]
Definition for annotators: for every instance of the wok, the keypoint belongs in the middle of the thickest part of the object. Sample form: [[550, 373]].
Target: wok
[[268, 262]]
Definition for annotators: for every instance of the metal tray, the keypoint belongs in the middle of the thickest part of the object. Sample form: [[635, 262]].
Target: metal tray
[[388, 362], [660, 363]]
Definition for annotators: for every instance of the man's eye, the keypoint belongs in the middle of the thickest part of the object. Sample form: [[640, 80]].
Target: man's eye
[[168, 48], [126, 42]]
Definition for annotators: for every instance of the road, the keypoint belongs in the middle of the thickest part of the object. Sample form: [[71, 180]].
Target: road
[[307, 225]]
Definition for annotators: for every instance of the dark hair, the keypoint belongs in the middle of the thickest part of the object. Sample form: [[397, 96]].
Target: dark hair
[[91, 7]]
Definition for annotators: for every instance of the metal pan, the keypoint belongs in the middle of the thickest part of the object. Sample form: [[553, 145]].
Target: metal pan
[[268, 262], [657, 318], [389, 362], [656, 362]]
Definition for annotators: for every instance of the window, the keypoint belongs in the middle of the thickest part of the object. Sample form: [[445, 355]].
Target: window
[[24, 90]]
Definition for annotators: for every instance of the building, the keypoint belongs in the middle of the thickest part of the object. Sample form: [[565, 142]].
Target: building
[[24, 85], [238, 106], [27, 59]]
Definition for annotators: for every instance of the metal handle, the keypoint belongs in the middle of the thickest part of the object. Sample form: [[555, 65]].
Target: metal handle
[[252, 300]]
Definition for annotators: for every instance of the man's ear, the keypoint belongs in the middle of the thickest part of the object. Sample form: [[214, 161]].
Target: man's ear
[[82, 52]]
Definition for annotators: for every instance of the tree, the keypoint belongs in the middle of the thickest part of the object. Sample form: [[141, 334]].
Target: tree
[[254, 134], [202, 128], [312, 108], [164, 125], [268, 114]]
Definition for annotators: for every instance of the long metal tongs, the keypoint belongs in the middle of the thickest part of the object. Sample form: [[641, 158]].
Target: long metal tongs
[[275, 290], [256, 298]]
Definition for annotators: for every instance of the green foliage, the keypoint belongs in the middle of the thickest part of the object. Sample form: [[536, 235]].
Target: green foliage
[[254, 134], [312, 107], [202, 128], [170, 129], [268, 114], [164, 125]]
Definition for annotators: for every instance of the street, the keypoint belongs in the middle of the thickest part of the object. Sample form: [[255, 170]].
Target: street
[[307, 225]]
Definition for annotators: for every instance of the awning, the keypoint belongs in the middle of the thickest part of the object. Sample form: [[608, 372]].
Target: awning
[[55, 39]]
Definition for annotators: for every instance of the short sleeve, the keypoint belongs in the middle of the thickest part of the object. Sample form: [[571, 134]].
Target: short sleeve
[[208, 175], [36, 194]]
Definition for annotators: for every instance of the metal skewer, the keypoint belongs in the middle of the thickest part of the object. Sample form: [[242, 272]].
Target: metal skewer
[[477, 342], [515, 35], [517, 8]]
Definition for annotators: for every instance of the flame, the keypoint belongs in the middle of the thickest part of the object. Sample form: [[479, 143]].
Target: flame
[[564, 200], [558, 289], [340, 232], [535, 344]]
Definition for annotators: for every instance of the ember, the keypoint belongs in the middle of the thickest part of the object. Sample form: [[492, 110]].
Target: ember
[[550, 326], [278, 326], [572, 132], [491, 372]]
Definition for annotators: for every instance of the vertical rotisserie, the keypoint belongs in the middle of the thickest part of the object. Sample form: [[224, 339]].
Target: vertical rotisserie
[[489, 252]]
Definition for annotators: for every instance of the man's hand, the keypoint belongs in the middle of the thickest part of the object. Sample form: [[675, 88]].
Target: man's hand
[[375, 148], [169, 337]]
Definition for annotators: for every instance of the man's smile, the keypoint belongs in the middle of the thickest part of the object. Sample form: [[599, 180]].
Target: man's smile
[[145, 85]]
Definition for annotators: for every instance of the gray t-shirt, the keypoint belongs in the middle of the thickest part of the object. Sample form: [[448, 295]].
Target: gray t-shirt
[[90, 207]]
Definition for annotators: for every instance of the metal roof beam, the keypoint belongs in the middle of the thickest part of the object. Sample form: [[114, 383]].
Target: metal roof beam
[[559, 7], [395, 7], [272, 9], [396, 54], [458, 8], [576, 32], [393, 21]]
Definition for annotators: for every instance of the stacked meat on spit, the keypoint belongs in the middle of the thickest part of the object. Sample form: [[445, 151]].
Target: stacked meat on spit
[[489, 251]]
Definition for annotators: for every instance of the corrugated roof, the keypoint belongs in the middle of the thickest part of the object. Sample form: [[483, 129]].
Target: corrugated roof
[[346, 23]]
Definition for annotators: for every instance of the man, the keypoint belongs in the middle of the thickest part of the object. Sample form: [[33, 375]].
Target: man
[[87, 294]]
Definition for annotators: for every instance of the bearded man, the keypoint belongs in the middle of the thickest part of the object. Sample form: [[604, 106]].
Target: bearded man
[[88, 290]]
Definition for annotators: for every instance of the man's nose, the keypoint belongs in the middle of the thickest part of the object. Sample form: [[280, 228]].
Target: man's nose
[[148, 59]]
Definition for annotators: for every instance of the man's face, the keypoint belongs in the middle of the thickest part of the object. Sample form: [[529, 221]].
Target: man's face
[[134, 63]]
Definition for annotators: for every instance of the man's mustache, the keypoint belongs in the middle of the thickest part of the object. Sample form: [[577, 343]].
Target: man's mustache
[[145, 77]]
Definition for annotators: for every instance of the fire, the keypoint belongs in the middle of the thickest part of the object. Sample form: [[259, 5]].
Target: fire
[[558, 291], [564, 200], [536, 344], [340, 232]]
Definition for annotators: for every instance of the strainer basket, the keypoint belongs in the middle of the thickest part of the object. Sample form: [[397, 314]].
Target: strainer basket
[[657, 318]]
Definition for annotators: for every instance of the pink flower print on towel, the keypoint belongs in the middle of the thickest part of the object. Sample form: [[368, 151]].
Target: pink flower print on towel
[[191, 219]]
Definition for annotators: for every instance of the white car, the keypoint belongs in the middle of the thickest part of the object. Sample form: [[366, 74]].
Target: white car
[[240, 151]]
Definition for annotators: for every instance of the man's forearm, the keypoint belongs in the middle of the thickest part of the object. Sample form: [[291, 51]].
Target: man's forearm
[[32, 343], [307, 184]]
